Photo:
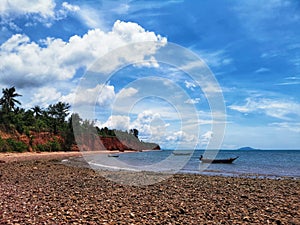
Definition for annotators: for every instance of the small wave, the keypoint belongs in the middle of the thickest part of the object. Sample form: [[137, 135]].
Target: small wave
[[114, 167]]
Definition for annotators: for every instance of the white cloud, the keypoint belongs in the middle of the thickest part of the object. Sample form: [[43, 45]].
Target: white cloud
[[192, 101], [281, 109], [117, 122], [193, 65], [143, 122], [211, 88], [26, 63], [189, 85], [45, 8], [122, 8], [290, 81], [205, 138], [91, 17], [295, 127], [255, 16], [70, 7], [181, 137], [62, 13], [261, 136], [216, 58], [150, 125], [42, 11], [127, 92], [103, 95], [45, 96], [262, 70]]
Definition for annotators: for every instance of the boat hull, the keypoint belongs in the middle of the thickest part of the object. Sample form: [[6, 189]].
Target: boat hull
[[230, 160]]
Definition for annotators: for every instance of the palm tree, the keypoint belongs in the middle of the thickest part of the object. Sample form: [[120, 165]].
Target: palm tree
[[58, 113], [37, 111], [8, 100]]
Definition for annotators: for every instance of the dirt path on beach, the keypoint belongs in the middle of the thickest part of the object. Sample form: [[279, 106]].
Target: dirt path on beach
[[28, 156]]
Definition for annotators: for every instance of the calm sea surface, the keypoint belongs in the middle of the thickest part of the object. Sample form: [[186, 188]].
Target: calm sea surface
[[254, 163]]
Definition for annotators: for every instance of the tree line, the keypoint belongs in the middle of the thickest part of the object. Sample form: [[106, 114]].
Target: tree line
[[53, 119]]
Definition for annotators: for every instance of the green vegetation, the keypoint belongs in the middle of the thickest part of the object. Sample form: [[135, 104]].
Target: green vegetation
[[11, 145], [52, 120], [50, 146]]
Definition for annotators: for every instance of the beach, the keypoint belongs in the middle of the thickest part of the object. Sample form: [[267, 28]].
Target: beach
[[41, 190]]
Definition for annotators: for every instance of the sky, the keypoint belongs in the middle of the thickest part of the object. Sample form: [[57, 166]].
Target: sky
[[86, 53]]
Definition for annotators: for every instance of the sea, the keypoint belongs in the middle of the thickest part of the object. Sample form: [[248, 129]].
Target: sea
[[274, 164]]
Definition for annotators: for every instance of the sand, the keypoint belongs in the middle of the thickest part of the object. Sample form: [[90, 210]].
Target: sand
[[43, 191], [26, 156]]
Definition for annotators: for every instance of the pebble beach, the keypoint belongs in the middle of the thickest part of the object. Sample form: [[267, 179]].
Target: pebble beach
[[44, 191]]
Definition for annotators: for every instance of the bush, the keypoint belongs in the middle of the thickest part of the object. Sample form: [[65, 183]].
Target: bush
[[54, 145], [16, 146], [3, 145], [50, 146], [41, 148]]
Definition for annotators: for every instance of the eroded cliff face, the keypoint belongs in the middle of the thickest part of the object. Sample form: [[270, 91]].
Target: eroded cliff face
[[33, 139], [91, 143], [85, 142]]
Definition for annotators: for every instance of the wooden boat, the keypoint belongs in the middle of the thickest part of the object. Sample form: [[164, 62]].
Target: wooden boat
[[112, 155], [229, 160], [181, 153]]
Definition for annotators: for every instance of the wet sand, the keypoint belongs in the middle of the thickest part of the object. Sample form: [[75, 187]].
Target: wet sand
[[43, 191]]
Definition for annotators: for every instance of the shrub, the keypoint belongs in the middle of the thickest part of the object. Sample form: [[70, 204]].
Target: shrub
[[17, 146], [50, 146], [3, 145], [54, 145]]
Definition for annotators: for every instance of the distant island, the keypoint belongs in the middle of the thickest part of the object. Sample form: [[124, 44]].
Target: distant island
[[247, 148]]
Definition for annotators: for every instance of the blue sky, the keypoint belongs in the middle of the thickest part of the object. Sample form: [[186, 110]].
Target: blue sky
[[251, 47]]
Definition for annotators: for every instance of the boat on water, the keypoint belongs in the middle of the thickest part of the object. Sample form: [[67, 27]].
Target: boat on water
[[229, 160], [113, 155], [181, 153]]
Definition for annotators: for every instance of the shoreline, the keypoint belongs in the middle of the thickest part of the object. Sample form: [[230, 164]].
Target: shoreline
[[6, 157], [74, 158], [46, 191]]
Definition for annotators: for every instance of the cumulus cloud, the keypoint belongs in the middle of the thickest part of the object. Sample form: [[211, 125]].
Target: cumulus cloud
[[27, 64], [116, 122], [152, 127], [101, 94], [143, 122], [281, 109], [45, 96], [149, 124], [180, 136]]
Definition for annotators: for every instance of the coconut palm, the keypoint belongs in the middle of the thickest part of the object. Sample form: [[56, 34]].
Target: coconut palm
[[37, 111], [8, 100]]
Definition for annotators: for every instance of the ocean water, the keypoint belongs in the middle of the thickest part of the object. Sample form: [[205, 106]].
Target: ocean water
[[254, 163]]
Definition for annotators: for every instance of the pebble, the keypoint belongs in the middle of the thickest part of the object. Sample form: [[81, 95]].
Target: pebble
[[51, 193]]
